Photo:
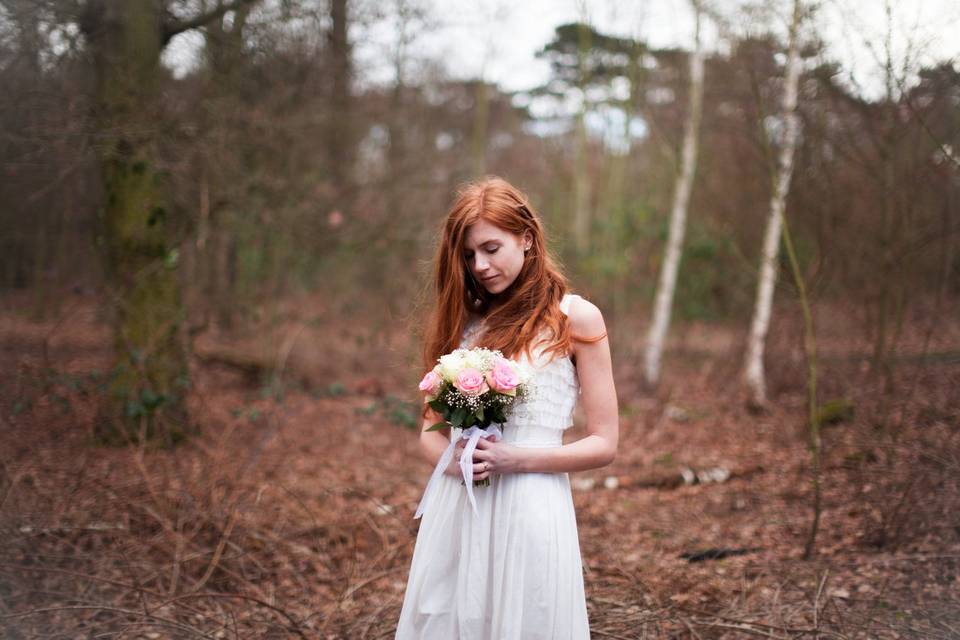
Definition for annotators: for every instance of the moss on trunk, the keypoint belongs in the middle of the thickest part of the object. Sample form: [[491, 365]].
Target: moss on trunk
[[139, 229]]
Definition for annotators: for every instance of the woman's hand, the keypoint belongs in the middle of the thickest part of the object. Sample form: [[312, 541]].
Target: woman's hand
[[495, 457], [453, 469]]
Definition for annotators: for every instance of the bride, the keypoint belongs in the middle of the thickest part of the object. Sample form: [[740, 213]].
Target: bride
[[511, 568]]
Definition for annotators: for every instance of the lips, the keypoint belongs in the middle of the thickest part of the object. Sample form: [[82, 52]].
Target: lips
[[489, 279]]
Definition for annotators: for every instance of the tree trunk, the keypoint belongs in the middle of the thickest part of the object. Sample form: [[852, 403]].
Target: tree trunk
[[754, 377], [581, 175], [481, 118], [225, 54], [339, 134], [146, 397], [678, 215], [225, 49], [890, 302]]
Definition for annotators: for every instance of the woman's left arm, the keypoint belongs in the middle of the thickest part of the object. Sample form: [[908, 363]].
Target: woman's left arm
[[598, 396]]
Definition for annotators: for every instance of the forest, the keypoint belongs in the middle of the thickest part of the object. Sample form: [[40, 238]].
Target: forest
[[217, 222]]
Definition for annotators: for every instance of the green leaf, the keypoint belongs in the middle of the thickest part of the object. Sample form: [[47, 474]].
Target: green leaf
[[335, 389], [171, 259], [133, 409], [437, 426], [458, 417], [149, 398], [22, 405]]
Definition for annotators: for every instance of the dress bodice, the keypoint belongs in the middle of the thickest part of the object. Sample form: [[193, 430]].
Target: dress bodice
[[540, 419]]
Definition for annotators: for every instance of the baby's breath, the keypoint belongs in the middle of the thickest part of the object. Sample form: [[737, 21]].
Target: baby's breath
[[483, 360]]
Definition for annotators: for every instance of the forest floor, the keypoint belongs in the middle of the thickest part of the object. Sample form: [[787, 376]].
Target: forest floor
[[291, 515]]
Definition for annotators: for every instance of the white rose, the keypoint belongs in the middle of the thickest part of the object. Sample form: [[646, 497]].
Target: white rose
[[475, 360], [452, 364]]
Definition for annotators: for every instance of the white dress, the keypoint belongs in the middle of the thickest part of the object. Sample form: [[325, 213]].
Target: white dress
[[512, 571]]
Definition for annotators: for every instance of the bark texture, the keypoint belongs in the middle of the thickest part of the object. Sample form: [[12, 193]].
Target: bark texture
[[138, 228], [754, 376], [667, 284]]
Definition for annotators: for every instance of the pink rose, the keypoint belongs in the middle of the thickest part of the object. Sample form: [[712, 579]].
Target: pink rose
[[470, 382], [430, 384], [503, 379]]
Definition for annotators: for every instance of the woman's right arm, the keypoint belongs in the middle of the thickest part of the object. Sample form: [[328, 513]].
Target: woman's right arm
[[434, 443]]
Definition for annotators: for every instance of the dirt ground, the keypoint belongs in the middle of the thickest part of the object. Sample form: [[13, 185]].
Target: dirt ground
[[292, 514]]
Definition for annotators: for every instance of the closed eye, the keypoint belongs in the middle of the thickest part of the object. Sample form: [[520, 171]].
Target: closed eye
[[469, 254]]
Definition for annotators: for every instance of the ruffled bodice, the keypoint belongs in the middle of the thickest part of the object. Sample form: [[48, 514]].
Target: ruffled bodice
[[541, 418]]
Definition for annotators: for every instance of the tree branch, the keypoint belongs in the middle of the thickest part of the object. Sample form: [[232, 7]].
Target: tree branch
[[173, 26]]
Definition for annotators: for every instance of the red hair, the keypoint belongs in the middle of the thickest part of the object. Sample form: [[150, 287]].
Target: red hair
[[527, 312]]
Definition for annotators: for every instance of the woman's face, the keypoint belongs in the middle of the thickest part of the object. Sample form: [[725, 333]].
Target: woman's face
[[494, 255]]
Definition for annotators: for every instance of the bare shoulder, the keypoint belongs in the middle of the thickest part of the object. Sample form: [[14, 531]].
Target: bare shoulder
[[586, 319]]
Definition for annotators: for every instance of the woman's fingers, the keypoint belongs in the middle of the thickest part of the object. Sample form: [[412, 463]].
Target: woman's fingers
[[481, 471], [482, 458]]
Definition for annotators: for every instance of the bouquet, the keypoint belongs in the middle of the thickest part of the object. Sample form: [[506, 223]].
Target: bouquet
[[472, 389]]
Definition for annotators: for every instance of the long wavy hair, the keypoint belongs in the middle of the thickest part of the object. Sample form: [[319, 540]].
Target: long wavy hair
[[519, 318]]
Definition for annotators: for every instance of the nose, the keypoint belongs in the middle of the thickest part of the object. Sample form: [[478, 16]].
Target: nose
[[480, 264]]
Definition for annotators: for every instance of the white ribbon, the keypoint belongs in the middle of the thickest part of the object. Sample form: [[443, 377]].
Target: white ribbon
[[472, 436]]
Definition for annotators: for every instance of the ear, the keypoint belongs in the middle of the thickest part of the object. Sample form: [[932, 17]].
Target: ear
[[526, 240]]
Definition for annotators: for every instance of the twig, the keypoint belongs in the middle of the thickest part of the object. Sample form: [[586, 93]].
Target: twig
[[816, 599], [607, 634], [240, 596], [689, 626], [215, 560], [117, 610], [356, 587], [760, 625], [766, 633]]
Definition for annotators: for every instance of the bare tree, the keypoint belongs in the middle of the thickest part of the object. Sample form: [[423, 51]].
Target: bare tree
[[492, 19], [581, 177], [753, 371], [678, 215], [340, 144]]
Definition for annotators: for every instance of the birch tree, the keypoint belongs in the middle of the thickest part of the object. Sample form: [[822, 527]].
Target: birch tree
[[678, 215], [754, 376]]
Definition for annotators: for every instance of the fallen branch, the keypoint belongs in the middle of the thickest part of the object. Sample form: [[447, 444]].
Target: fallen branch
[[675, 479]]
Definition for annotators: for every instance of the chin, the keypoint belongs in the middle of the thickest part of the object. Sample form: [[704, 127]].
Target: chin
[[498, 288]]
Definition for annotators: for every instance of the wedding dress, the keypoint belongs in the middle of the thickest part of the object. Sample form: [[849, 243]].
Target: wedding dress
[[512, 570]]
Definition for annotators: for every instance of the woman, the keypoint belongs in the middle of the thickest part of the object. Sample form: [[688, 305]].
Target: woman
[[510, 570]]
